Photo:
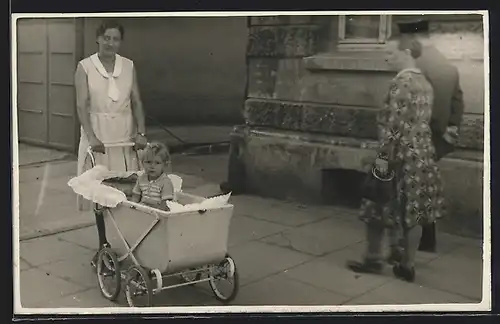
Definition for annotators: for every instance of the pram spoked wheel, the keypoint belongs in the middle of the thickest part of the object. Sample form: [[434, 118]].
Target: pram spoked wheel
[[225, 271], [108, 267], [138, 288]]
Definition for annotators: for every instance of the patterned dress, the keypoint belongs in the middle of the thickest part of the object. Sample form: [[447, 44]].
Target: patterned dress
[[404, 134]]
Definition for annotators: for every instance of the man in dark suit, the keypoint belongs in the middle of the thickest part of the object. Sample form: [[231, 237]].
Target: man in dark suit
[[448, 106]]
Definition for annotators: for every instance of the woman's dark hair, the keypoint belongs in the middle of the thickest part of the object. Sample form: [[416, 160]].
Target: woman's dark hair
[[110, 24], [409, 42]]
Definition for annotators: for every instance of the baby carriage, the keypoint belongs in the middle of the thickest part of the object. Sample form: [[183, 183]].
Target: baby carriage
[[151, 246]]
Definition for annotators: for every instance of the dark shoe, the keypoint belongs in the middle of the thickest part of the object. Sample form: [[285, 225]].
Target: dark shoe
[[395, 257], [428, 241], [429, 249], [404, 273], [374, 267]]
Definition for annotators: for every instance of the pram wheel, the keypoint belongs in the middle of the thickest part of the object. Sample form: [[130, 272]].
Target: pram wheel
[[225, 270], [108, 266], [139, 288]]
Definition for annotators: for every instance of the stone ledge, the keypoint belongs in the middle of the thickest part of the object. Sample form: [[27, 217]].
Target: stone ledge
[[351, 61], [283, 41], [289, 165], [282, 20], [345, 121], [357, 143]]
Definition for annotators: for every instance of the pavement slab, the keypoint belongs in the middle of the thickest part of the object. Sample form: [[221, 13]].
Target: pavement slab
[[279, 289], [256, 260], [398, 292], [49, 249], [84, 237], [273, 211], [52, 170], [23, 265], [455, 272], [76, 270], [318, 238], [329, 272], [244, 229], [29, 154], [88, 298], [34, 287], [205, 190], [286, 253]]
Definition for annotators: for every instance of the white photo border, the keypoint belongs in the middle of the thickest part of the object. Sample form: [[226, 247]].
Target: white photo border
[[486, 303]]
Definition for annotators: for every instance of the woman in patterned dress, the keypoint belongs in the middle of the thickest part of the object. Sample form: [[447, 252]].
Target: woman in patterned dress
[[109, 109], [405, 148]]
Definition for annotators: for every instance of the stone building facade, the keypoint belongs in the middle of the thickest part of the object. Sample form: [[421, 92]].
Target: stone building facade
[[313, 90]]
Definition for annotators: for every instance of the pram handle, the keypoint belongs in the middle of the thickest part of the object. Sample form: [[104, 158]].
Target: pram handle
[[90, 152]]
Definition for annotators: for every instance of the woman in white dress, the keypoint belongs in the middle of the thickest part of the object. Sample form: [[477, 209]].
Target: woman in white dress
[[109, 109]]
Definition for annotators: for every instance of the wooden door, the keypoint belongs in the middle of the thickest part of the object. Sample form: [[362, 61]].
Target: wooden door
[[48, 51]]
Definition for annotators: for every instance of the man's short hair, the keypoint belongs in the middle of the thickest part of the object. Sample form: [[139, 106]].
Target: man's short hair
[[409, 42]]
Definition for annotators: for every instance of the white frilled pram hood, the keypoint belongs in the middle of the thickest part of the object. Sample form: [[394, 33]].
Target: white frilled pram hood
[[89, 185], [209, 203]]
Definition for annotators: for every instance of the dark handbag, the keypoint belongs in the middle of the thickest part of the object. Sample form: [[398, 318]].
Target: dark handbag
[[378, 188]]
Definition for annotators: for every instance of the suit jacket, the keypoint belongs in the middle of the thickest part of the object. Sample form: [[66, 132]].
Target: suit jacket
[[448, 106]]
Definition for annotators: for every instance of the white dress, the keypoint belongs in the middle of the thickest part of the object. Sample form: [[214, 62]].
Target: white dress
[[111, 117]]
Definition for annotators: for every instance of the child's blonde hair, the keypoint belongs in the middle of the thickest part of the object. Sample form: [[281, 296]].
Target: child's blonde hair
[[157, 149]]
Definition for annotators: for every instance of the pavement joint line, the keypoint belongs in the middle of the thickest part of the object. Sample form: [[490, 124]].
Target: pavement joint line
[[257, 239], [322, 219], [274, 222], [265, 220], [290, 247], [66, 279], [51, 232], [392, 279], [36, 305], [30, 265], [317, 287], [368, 291], [76, 243], [279, 271], [61, 160]]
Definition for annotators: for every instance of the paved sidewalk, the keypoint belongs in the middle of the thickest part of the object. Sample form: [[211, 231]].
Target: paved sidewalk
[[286, 255]]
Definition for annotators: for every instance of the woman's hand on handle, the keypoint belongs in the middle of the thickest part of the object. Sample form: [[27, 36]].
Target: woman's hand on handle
[[140, 142], [96, 145]]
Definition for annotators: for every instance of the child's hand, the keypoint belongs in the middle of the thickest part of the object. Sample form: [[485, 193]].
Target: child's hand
[[135, 198]]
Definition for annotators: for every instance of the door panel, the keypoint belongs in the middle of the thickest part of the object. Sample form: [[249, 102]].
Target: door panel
[[32, 99], [47, 57], [62, 68], [32, 67], [62, 63], [63, 31], [31, 35]]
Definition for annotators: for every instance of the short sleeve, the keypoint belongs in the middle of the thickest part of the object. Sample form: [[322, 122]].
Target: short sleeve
[[137, 188], [167, 191]]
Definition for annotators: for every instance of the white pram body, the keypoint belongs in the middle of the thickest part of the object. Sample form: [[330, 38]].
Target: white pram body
[[190, 238]]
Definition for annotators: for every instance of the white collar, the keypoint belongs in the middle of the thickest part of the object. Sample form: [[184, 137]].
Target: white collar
[[98, 64], [414, 70]]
